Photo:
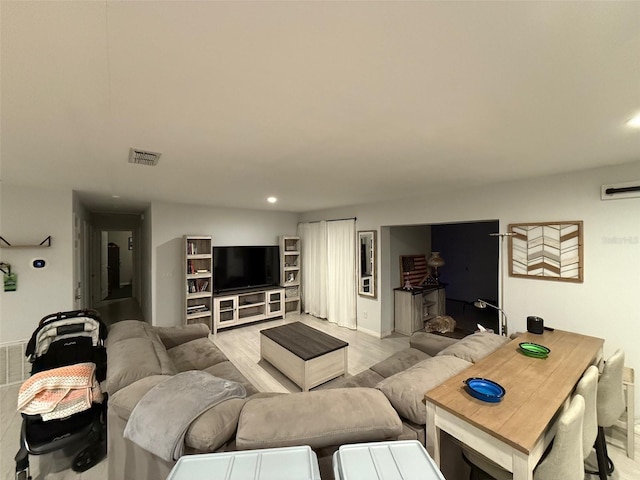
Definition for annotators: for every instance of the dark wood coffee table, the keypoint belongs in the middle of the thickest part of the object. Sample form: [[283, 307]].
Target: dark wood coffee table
[[303, 354]]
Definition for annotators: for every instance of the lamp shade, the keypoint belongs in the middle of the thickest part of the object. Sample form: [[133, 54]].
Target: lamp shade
[[435, 260]]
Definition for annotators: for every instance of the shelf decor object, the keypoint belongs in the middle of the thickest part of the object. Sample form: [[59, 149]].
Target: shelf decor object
[[547, 251], [43, 244]]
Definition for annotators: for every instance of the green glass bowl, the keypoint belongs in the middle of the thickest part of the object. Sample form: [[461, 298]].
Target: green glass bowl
[[534, 350]]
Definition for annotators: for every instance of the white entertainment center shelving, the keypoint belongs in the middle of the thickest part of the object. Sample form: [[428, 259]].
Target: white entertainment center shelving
[[238, 307], [290, 277], [233, 309], [198, 279]]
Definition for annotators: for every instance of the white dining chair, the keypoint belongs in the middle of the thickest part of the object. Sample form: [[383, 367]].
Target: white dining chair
[[610, 406], [564, 460], [588, 388]]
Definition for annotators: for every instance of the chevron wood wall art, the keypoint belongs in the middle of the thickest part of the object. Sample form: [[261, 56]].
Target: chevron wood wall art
[[547, 251]]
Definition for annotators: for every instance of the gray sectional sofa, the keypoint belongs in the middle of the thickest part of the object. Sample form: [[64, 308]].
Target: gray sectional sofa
[[382, 403], [430, 360]]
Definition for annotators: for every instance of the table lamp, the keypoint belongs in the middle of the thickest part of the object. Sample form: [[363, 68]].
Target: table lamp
[[435, 261]]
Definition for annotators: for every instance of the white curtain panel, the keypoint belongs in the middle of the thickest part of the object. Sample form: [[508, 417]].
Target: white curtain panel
[[313, 239], [341, 278], [328, 270]]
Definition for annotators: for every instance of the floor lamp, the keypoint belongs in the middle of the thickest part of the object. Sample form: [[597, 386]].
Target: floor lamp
[[503, 328]]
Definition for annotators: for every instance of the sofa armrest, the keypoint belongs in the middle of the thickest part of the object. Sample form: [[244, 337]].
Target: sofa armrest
[[174, 336], [430, 343]]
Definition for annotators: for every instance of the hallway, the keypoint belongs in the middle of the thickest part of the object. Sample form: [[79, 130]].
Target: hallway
[[112, 311]]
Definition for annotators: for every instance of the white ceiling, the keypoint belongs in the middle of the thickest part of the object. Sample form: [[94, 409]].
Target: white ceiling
[[321, 104]]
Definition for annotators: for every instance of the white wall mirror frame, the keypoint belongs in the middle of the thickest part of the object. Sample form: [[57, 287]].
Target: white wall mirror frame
[[367, 268]]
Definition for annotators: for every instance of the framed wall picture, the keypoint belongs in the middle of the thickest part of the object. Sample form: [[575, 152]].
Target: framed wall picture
[[547, 251], [413, 270]]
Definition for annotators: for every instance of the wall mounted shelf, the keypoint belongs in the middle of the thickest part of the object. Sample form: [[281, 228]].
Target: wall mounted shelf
[[43, 244]]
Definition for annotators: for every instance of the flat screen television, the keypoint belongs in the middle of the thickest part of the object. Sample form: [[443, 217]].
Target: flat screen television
[[236, 268]]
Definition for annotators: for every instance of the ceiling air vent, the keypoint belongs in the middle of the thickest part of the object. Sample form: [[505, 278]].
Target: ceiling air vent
[[143, 157]]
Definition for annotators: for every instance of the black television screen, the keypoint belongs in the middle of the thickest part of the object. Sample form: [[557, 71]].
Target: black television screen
[[236, 268]]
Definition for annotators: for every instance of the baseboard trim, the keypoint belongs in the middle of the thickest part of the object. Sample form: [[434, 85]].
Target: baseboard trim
[[371, 332]]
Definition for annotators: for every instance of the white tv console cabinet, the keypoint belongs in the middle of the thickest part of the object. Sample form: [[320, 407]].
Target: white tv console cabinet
[[237, 308]]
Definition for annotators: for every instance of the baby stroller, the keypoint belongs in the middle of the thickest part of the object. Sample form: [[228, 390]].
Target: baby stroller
[[67, 348]]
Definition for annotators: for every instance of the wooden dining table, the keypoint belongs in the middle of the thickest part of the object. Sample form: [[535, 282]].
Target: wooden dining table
[[514, 432]]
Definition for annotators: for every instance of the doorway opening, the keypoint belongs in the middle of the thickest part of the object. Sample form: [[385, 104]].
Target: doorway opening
[[119, 265], [470, 270]]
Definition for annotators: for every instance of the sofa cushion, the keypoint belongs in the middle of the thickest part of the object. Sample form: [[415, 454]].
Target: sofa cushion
[[124, 400], [318, 419], [430, 343], [367, 378], [207, 433], [399, 361], [475, 347], [215, 427], [195, 355], [405, 390], [134, 358], [229, 371], [126, 329], [174, 336]]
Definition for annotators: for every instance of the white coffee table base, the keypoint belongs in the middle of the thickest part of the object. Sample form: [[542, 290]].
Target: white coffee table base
[[305, 374]]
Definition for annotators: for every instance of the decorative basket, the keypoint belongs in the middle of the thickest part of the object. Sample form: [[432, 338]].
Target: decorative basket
[[291, 292]]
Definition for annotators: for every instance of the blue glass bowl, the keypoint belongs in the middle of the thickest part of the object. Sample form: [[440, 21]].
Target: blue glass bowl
[[485, 390]]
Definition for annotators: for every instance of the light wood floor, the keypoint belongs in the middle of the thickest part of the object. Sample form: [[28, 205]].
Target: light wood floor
[[241, 345]]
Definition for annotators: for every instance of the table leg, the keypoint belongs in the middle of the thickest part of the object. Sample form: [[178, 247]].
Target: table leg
[[522, 466], [346, 362], [432, 434]]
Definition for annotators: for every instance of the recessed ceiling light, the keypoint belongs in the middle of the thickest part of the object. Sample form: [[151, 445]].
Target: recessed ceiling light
[[115, 196], [634, 122], [272, 199]]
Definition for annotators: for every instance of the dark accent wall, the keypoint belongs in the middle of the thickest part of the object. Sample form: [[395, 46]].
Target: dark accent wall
[[471, 259], [470, 270]]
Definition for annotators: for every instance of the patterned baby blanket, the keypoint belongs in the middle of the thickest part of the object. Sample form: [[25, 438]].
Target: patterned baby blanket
[[60, 392]]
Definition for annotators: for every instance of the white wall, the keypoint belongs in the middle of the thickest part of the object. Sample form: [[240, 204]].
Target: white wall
[[605, 305], [411, 240], [28, 216], [227, 227]]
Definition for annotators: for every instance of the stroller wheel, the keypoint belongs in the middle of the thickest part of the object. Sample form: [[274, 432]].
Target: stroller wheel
[[89, 457], [23, 475]]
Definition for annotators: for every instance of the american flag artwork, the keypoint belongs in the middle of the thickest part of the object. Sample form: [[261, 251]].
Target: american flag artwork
[[413, 268]]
